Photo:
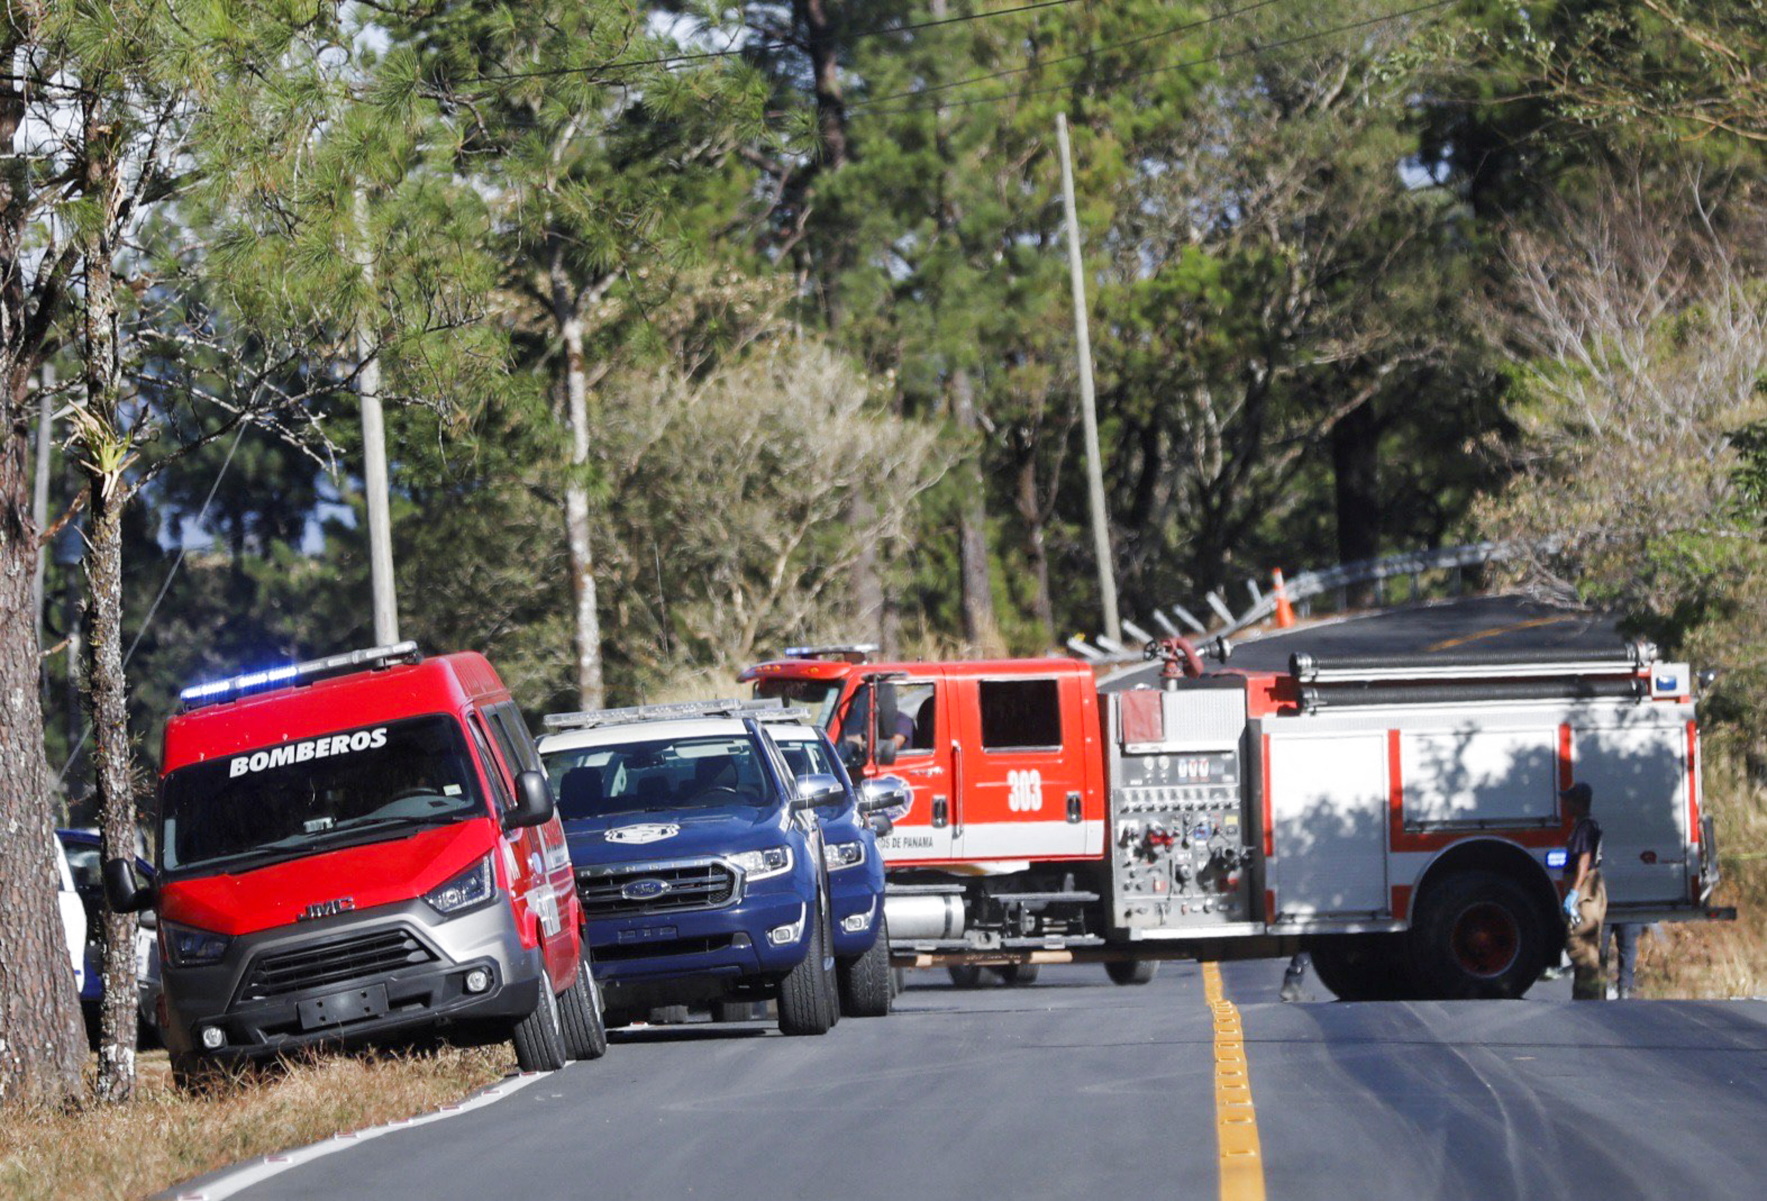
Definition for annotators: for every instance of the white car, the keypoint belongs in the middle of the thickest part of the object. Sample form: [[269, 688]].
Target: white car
[[73, 916]]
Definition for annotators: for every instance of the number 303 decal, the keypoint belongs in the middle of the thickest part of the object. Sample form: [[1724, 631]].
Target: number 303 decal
[[1024, 790]]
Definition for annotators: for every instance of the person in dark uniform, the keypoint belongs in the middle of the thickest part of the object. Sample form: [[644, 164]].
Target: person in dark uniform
[[1585, 902], [1626, 952]]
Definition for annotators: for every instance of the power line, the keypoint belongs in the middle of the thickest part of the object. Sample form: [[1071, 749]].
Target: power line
[[670, 60], [1067, 58], [164, 588], [1128, 77]]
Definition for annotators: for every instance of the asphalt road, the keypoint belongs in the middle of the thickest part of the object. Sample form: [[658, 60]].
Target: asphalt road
[[1076, 1088]]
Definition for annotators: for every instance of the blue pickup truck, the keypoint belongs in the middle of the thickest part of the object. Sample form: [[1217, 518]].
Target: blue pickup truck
[[855, 868], [699, 859]]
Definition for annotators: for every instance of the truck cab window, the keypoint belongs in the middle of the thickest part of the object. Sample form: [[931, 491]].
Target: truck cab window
[[1020, 715], [915, 714], [914, 719]]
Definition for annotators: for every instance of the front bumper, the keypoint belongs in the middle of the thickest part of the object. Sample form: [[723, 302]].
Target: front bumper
[[353, 978], [858, 913], [690, 941]]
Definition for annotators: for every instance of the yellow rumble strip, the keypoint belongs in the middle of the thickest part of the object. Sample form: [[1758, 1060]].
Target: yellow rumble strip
[[1236, 1123]]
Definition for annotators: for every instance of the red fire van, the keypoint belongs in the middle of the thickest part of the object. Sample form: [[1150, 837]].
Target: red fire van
[[357, 848]]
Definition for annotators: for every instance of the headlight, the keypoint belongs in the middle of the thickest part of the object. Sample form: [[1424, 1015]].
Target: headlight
[[186, 946], [759, 865], [474, 886], [839, 855]]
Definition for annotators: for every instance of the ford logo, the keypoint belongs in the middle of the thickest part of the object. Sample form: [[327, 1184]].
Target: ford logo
[[644, 890]]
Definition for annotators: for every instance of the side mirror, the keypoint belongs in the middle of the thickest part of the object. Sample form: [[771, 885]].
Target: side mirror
[[819, 792], [533, 802], [885, 793], [122, 891]]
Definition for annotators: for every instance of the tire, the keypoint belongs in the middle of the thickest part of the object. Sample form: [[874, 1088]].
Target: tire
[[965, 975], [1019, 975], [539, 1037], [1131, 971], [1477, 936], [808, 999], [579, 1006], [733, 1011], [865, 983], [1364, 967]]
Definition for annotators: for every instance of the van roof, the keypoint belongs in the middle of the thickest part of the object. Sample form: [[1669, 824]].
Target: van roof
[[444, 684]]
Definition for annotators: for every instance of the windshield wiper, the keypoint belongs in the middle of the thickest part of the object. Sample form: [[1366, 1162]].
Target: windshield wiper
[[336, 838]]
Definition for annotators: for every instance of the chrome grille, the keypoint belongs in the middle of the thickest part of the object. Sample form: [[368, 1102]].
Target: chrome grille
[[318, 965], [621, 891]]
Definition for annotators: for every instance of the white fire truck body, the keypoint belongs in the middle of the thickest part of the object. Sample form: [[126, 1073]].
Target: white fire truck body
[[1401, 820]]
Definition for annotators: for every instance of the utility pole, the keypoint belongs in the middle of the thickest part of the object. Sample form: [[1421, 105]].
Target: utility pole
[[40, 486], [1101, 539], [374, 453]]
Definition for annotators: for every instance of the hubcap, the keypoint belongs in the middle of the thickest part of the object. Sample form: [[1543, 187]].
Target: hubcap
[[1486, 939]]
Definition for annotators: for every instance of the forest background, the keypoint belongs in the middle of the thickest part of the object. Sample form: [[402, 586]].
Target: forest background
[[704, 329]]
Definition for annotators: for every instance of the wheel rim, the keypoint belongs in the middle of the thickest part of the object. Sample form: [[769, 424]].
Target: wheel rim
[[1486, 940]]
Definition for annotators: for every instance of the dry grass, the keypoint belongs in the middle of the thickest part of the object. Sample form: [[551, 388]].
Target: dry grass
[[1721, 959], [164, 1137]]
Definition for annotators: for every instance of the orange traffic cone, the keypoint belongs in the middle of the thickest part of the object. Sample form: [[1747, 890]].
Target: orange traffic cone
[[1285, 612]]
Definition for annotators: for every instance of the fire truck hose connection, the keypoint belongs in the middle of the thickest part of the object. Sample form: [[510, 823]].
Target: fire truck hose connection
[[1172, 652]]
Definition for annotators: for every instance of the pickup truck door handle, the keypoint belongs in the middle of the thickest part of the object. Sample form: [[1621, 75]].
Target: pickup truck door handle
[[1074, 807], [941, 813]]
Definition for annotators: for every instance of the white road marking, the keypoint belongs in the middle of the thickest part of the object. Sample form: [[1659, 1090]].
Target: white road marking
[[229, 1181]]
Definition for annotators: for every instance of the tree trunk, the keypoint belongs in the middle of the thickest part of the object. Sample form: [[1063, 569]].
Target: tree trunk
[[1356, 481], [831, 111], [113, 772], [42, 1051], [105, 449], [867, 578], [568, 317], [1030, 511], [976, 590]]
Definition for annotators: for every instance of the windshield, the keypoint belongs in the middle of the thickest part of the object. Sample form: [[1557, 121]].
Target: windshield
[[808, 759], [318, 794], [818, 696], [665, 773]]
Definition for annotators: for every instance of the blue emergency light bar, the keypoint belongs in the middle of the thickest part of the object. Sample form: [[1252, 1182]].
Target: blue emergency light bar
[[216, 691], [1555, 859], [767, 709]]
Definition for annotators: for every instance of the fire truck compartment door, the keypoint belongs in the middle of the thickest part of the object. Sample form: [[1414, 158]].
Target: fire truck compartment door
[[1639, 775], [1328, 812], [1020, 763]]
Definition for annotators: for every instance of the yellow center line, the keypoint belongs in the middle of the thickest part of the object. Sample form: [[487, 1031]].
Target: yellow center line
[[1495, 631], [1236, 1123]]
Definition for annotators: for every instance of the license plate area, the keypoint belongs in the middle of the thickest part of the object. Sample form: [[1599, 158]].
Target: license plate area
[[341, 1008]]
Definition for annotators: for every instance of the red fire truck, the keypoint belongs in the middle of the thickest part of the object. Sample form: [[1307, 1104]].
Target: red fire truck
[[355, 848], [1399, 819]]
